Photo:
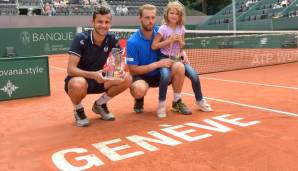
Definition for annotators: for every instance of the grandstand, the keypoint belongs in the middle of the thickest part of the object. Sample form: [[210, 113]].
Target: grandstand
[[256, 15], [74, 7], [8, 7]]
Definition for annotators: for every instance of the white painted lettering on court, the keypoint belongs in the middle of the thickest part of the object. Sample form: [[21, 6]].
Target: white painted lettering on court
[[183, 131], [215, 126], [162, 139], [111, 152], [183, 134], [62, 164], [235, 121]]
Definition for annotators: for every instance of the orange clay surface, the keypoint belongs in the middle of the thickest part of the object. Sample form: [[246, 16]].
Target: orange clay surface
[[34, 129]]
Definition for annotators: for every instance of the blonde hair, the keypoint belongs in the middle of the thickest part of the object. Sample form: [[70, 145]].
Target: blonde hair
[[146, 7], [177, 6]]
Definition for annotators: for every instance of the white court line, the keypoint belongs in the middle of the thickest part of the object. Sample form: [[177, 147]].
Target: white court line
[[217, 79], [243, 82], [225, 101], [58, 68], [249, 106]]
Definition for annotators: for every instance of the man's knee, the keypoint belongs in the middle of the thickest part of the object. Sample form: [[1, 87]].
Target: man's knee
[[77, 84], [138, 89]]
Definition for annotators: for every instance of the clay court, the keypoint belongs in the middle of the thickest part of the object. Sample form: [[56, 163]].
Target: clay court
[[253, 127]]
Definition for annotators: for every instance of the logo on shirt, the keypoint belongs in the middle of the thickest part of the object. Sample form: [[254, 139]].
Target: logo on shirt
[[105, 49], [82, 42], [129, 59]]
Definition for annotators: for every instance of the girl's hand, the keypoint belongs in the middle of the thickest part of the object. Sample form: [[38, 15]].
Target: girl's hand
[[180, 38], [173, 38], [185, 60], [184, 57]]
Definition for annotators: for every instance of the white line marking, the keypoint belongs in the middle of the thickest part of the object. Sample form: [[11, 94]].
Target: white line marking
[[249, 106], [227, 101], [243, 82], [58, 68]]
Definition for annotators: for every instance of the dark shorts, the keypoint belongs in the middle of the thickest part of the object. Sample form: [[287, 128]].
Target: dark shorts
[[93, 86], [163, 56], [151, 81]]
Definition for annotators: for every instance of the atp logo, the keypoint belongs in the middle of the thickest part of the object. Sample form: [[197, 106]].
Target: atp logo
[[264, 41], [25, 37], [204, 42]]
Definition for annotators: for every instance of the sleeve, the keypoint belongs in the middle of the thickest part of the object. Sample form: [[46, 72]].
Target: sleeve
[[132, 53], [183, 30], [162, 31], [77, 45]]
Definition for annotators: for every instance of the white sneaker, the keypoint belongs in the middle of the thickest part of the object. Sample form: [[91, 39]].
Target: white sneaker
[[161, 110], [204, 106], [80, 118]]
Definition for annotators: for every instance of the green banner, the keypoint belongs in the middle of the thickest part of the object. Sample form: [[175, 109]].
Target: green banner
[[36, 41], [242, 41], [22, 77]]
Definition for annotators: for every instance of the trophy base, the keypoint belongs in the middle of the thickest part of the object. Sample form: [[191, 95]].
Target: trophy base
[[113, 78]]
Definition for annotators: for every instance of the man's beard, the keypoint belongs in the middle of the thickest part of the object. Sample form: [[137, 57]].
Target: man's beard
[[147, 28], [98, 32]]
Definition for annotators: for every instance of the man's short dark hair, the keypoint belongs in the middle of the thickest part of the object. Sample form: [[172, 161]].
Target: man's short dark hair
[[102, 10]]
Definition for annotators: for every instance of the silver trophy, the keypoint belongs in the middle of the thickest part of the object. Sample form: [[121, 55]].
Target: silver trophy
[[114, 68]]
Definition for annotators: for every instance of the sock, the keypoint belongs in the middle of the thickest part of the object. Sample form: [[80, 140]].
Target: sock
[[177, 96], [103, 99], [78, 106], [162, 104], [142, 98]]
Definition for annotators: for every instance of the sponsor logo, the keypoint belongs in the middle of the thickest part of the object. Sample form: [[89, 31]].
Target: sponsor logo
[[204, 42], [47, 48], [9, 88], [264, 41], [25, 37]]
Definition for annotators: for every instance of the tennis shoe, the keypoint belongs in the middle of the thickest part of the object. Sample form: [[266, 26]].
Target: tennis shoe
[[139, 105], [180, 107], [204, 106], [161, 111], [80, 118], [103, 111]]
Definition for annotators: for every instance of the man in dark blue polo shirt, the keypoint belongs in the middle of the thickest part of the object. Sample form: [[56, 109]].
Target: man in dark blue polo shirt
[[144, 66], [87, 56]]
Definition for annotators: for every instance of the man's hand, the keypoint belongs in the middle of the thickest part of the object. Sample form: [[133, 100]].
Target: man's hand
[[98, 77], [167, 63]]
